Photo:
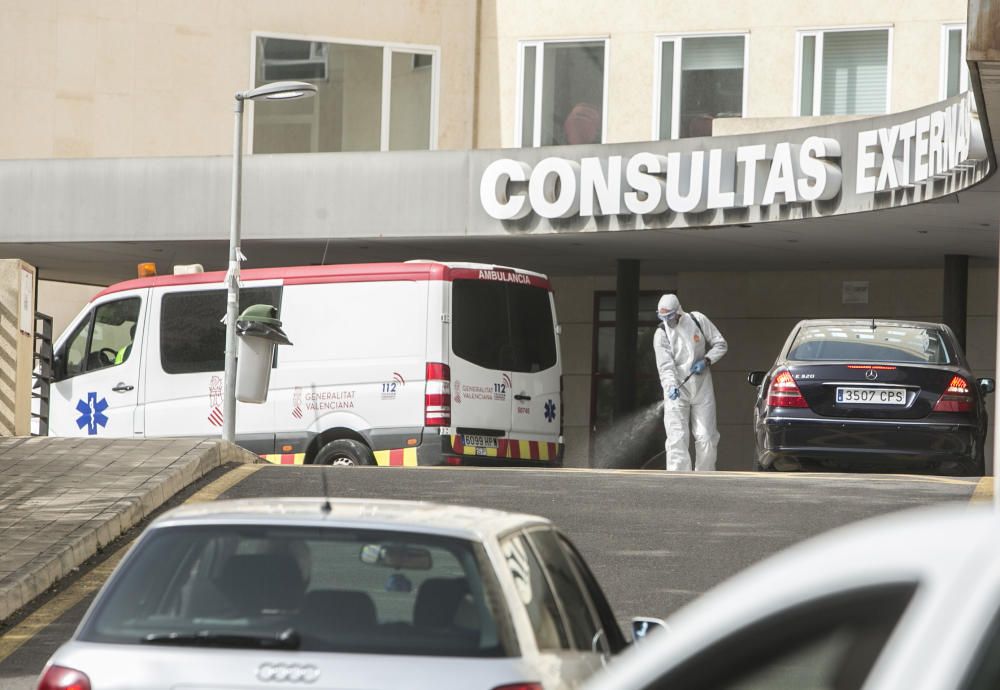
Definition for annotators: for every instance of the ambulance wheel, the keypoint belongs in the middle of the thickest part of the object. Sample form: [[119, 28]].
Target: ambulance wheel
[[344, 452]]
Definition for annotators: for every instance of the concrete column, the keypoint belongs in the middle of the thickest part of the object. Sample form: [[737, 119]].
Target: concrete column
[[955, 301], [17, 330], [626, 323]]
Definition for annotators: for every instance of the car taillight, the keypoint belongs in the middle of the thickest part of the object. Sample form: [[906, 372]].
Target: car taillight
[[62, 678], [784, 392], [957, 397], [520, 686], [437, 395]]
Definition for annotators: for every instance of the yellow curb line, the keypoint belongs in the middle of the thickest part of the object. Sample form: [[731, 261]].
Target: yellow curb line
[[92, 581], [984, 491]]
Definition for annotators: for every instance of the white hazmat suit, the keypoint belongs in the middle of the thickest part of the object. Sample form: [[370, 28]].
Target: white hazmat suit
[[681, 342]]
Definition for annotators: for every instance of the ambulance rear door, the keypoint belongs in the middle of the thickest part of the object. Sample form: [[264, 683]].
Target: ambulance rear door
[[505, 361]]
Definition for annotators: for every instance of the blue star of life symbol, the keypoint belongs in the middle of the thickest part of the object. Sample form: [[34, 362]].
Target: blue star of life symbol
[[550, 411], [92, 413]]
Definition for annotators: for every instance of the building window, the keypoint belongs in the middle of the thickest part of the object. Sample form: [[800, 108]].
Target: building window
[[648, 389], [954, 69], [843, 72], [369, 97], [563, 93], [700, 78]]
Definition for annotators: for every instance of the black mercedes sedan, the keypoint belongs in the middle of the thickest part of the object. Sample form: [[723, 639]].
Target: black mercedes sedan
[[873, 396]]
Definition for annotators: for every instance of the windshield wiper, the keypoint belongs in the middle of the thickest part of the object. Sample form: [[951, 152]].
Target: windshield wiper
[[286, 639]]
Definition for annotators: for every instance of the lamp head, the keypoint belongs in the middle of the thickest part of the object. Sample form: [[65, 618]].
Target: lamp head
[[279, 91]]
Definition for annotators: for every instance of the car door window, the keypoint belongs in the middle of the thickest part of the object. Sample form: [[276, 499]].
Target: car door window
[[535, 594], [612, 633], [829, 644], [584, 628], [74, 355], [104, 339], [114, 333]]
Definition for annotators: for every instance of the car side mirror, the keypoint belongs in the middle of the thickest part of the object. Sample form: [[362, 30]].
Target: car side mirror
[[987, 386], [755, 378], [643, 627]]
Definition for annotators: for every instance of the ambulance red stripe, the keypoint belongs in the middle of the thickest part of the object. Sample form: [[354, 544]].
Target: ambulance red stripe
[[342, 273]]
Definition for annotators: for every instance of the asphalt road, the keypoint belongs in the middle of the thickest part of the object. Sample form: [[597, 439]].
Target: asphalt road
[[654, 540]]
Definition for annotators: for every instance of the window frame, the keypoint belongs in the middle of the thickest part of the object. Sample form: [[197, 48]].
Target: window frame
[[818, 33], [388, 49], [539, 45], [678, 40], [963, 75]]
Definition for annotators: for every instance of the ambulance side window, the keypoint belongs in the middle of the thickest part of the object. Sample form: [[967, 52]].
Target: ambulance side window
[[103, 339], [192, 335]]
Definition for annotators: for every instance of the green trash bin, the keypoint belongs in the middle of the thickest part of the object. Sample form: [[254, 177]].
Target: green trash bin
[[259, 331]]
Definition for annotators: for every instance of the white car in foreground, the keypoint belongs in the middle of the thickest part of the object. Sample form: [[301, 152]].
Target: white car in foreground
[[909, 601], [366, 595]]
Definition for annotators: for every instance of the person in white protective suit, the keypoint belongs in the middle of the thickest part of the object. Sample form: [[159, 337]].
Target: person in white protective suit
[[686, 346]]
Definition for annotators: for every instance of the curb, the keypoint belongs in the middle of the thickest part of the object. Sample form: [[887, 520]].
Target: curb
[[194, 459]]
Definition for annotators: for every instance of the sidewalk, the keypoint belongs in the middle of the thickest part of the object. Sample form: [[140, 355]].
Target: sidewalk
[[61, 499]]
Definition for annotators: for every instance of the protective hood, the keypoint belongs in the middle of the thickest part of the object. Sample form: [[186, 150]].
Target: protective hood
[[668, 304]]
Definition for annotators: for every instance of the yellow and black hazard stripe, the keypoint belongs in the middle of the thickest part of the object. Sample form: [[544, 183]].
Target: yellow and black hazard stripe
[[509, 449], [396, 457]]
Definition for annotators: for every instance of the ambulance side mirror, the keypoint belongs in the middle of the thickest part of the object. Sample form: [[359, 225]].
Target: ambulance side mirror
[[58, 367]]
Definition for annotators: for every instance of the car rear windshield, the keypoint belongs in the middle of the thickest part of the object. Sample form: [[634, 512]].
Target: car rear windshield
[[897, 344], [311, 588], [503, 326]]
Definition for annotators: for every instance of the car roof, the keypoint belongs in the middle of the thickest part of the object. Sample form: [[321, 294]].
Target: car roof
[[868, 322], [416, 516], [925, 545]]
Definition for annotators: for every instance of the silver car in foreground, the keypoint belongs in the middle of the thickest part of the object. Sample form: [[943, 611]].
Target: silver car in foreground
[[273, 593], [909, 601]]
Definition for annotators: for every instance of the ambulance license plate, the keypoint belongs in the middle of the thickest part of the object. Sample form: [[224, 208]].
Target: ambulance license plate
[[871, 396], [480, 441]]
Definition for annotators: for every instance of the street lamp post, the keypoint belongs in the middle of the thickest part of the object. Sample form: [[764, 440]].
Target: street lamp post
[[281, 90]]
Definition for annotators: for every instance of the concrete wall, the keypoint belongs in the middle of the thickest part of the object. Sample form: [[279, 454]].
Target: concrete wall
[[17, 300], [755, 312], [632, 29]]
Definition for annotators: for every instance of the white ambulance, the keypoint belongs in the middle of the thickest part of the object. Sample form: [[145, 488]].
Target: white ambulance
[[401, 364]]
